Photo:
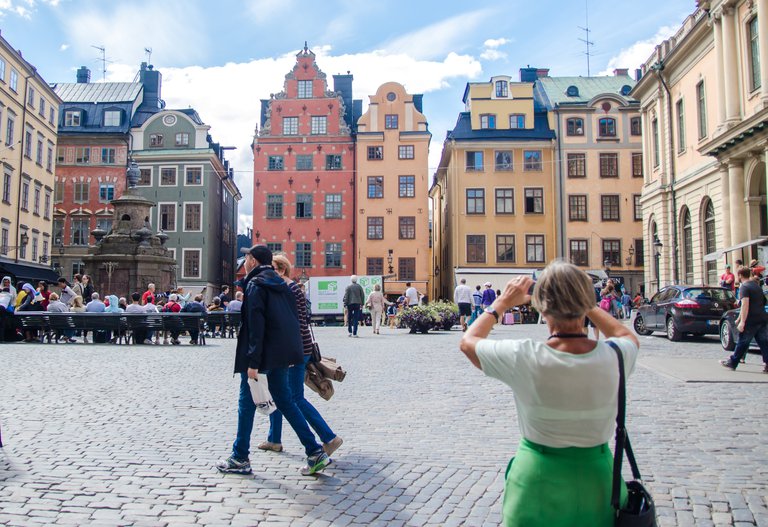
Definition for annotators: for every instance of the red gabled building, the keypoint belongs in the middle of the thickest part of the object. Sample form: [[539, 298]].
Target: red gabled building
[[303, 169]]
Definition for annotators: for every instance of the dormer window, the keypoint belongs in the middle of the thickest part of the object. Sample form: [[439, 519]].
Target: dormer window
[[112, 118], [502, 89], [575, 126], [72, 117], [625, 90], [572, 91]]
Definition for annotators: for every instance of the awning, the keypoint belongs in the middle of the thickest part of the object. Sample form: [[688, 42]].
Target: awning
[[28, 273], [720, 252], [498, 277]]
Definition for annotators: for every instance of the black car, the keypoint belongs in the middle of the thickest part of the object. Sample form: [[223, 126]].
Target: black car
[[728, 334], [681, 309]]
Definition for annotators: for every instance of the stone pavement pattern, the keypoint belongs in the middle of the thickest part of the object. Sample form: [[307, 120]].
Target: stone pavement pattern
[[110, 435]]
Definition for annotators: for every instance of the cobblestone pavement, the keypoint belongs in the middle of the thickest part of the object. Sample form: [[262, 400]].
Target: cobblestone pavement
[[111, 435]]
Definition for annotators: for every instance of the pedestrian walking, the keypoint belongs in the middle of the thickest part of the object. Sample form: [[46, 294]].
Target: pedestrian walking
[[626, 305], [354, 296], [566, 393], [412, 295], [376, 303], [489, 295], [752, 322], [477, 303], [269, 341], [462, 295]]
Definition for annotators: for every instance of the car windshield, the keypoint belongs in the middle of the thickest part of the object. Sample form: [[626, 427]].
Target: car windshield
[[707, 293]]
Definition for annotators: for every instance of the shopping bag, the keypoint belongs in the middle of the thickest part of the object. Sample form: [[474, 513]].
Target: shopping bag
[[260, 394]]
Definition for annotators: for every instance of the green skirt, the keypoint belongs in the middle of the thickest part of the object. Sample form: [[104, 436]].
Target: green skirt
[[559, 487]]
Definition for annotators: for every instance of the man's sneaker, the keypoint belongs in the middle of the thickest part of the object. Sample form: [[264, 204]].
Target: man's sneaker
[[332, 446], [727, 364], [274, 447], [234, 466], [315, 464]]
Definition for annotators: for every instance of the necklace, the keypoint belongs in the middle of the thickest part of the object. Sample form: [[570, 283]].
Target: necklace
[[567, 336]]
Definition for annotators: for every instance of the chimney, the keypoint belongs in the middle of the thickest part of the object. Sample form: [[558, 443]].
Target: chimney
[[152, 81], [83, 75], [528, 74], [638, 74], [418, 100], [620, 72], [542, 72]]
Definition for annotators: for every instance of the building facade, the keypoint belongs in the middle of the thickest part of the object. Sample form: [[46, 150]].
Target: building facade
[[599, 173], [493, 192], [28, 136], [392, 220], [304, 171]]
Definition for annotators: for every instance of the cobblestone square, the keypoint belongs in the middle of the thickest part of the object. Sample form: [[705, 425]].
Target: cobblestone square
[[118, 435]]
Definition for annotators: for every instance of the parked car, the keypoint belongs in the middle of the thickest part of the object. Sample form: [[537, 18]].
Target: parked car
[[728, 334], [682, 309]]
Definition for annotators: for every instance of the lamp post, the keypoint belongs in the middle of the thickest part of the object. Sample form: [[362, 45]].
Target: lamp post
[[657, 245]]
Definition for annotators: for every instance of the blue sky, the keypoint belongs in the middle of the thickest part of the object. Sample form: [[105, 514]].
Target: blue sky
[[222, 57]]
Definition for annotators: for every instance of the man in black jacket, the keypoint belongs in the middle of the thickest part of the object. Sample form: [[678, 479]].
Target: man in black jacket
[[269, 341]]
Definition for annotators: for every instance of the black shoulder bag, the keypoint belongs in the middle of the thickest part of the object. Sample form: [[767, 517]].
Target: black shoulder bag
[[640, 510]]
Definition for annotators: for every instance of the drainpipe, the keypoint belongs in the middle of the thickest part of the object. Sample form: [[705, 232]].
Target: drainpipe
[[22, 131], [559, 186]]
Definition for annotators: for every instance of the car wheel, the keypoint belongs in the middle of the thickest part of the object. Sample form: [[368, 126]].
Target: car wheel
[[726, 337], [640, 328], [673, 333]]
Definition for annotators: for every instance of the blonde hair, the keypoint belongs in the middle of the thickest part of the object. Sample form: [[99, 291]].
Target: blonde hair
[[53, 297], [563, 291], [282, 264], [77, 301]]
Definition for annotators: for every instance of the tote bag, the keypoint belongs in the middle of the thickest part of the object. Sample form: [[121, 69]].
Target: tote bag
[[261, 396]]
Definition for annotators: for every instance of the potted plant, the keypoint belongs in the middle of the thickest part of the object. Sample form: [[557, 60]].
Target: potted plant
[[418, 318], [446, 314]]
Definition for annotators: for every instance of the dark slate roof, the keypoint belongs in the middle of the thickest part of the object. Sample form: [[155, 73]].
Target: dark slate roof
[[463, 130], [98, 91], [94, 117], [93, 98]]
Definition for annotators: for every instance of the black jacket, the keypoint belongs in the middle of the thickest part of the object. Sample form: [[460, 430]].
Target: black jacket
[[269, 336]]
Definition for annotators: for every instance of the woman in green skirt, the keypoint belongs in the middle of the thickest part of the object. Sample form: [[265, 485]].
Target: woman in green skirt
[[565, 392]]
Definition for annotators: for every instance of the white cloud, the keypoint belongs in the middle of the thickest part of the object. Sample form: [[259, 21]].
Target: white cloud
[[263, 11], [64, 47], [635, 55], [23, 8], [491, 49], [496, 42], [492, 54]]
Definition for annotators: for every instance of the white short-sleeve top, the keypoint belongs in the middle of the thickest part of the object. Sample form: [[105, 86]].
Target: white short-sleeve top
[[562, 399]]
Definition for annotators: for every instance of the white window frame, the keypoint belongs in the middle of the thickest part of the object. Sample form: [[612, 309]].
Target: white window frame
[[184, 214], [73, 117], [151, 176], [160, 175], [175, 218], [184, 252], [111, 114], [202, 175]]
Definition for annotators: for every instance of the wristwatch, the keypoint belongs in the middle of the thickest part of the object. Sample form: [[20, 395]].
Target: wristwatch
[[493, 312]]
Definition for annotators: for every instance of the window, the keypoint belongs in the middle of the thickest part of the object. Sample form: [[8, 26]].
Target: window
[[191, 264], [333, 206], [319, 125], [638, 208], [333, 162], [34, 248], [754, 55], [155, 140], [14, 80], [534, 248], [193, 217], [112, 118], [108, 156], [405, 152], [390, 122], [710, 241], [51, 116], [687, 247], [505, 201], [680, 126], [275, 247], [375, 152], [488, 121], [275, 163], [375, 187], [39, 151], [374, 266], [31, 97], [517, 120], [406, 269], [82, 155], [333, 255], [476, 248], [104, 224], [41, 109], [2, 70], [182, 139], [635, 126], [574, 126], [303, 254], [579, 253], [407, 186], [194, 176], [25, 196], [9, 131], [532, 160], [503, 160], [58, 192], [637, 164], [502, 89], [612, 251], [167, 176], [505, 248], [607, 127], [304, 89], [49, 158], [304, 162], [577, 165], [4, 240], [6, 188], [72, 117], [58, 231], [639, 252], [36, 202], [145, 177], [407, 227], [80, 231], [475, 161], [303, 206], [701, 104], [534, 201], [655, 128], [61, 155], [609, 165], [28, 143], [609, 207], [475, 201], [577, 207], [274, 205], [290, 126], [106, 192], [167, 219], [375, 228], [81, 192]]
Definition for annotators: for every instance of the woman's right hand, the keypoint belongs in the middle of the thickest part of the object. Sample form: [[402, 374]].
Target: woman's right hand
[[515, 293]]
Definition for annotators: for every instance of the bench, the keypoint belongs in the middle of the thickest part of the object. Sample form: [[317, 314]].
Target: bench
[[228, 321]]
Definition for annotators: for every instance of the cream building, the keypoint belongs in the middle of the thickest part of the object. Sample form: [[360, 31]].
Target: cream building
[[704, 105], [28, 123], [392, 212]]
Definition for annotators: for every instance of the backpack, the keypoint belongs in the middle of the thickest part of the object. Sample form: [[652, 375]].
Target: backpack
[[605, 304]]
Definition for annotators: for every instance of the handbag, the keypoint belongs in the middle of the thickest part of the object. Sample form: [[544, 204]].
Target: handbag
[[315, 355], [262, 398], [640, 510], [316, 381]]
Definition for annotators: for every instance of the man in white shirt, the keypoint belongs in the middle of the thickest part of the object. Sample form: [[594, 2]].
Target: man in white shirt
[[462, 295], [412, 295]]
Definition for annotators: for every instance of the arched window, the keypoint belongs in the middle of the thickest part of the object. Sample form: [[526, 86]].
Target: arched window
[[575, 126], [655, 273], [607, 127], [710, 241], [687, 246]]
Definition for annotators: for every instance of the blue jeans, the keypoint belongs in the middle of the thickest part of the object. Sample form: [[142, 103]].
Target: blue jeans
[[353, 316], [281, 393], [310, 413], [476, 312], [758, 332]]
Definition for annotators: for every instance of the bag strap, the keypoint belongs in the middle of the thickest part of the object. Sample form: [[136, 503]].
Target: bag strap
[[622, 438]]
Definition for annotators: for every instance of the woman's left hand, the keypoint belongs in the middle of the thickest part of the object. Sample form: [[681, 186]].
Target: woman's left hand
[[515, 293]]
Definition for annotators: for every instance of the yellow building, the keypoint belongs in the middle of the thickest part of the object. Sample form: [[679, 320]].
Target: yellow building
[[392, 212], [493, 192], [28, 122]]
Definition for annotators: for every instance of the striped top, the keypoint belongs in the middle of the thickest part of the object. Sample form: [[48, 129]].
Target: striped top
[[301, 305]]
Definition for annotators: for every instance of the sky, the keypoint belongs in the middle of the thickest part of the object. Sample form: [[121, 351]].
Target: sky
[[221, 58]]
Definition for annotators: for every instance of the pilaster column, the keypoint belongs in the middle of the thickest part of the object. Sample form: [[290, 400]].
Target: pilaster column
[[731, 67], [717, 29], [725, 205], [738, 208], [762, 37]]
